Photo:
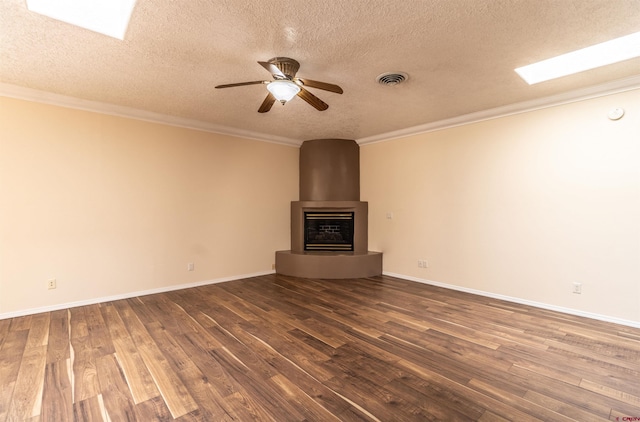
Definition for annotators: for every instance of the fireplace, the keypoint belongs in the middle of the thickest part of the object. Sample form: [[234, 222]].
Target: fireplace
[[328, 231]]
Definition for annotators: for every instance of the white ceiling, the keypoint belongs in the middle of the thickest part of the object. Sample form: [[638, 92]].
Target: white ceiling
[[459, 54]]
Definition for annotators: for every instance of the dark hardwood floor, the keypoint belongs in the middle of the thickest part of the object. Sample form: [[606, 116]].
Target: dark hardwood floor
[[277, 348]]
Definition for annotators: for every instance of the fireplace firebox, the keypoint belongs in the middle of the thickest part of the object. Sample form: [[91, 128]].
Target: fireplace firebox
[[328, 231]]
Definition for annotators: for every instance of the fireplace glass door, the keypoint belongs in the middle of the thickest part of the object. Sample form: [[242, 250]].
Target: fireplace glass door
[[328, 231]]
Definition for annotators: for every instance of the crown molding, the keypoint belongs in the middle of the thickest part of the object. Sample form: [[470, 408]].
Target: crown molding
[[29, 94], [614, 87]]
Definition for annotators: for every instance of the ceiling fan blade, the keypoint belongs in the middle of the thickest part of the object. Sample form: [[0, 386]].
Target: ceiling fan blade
[[316, 102], [267, 103], [320, 85], [242, 84], [273, 69]]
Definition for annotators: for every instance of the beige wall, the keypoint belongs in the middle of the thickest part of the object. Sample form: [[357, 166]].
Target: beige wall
[[109, 206], [521, 206]]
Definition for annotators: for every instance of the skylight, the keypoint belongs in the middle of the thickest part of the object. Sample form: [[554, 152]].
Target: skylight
[[609, 52], [108, 17]]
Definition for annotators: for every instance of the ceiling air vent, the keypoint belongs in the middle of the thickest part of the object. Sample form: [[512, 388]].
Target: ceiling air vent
[[392, 78]]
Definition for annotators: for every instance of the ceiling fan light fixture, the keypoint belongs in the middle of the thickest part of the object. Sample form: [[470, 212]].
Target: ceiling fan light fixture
[[283, 90]]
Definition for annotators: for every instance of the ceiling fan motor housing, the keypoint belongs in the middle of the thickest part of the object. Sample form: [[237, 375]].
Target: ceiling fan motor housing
[[286, 65]]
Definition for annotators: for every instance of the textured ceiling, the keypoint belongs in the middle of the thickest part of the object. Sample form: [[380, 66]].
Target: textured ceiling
[[459, 54]]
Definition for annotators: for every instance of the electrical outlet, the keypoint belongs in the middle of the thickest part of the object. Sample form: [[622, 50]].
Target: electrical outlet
[[577, 288], [190, 266], [425, 263], [51, 284], [419, 264]]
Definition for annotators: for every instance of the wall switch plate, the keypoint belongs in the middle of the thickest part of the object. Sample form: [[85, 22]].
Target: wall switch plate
[[190, 266], [51, 284], [577, 288]]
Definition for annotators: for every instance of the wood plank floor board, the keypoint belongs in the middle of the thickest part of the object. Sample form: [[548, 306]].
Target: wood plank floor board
[[587, 354], [489, 416], [449, 346], [312, 341], [84, 371], [373, 317], [78, 322], [209, 400], [57, 401], [129, 358], [410, 352], [228, 394], [175, 394], [160, 307], [173, 391], [367, 364], [155, 409], [283, 352], [101, 343], [549, 384], [544, 370], [310, 407], [369, 398], [215, 383], [280, 348], [257, 299], [58, 342], [596, 368], [26, 400], [573, 396], [116, 394], [441, 404], [517, 401], [543, 380], [237, 305], [574, 412], [39, 331], [88, 410], [262, 393], [371, 345], [630, 399], [11, 354], [20, 323], [6, 393], [4, 330], [433, 377]]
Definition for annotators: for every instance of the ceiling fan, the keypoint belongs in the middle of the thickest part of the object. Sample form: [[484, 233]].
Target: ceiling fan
[[285, 85]]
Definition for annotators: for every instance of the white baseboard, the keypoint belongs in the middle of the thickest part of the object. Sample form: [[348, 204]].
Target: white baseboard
[[541, 305], [127, 295]]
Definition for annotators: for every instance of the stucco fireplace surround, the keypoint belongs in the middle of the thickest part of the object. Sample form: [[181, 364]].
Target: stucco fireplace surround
[[329, 187]]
